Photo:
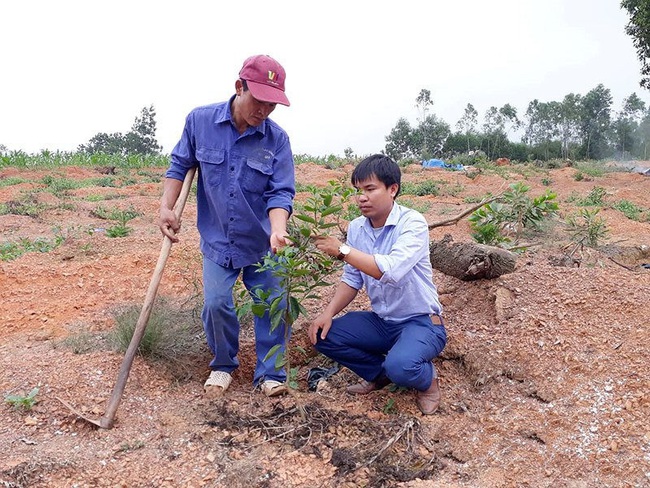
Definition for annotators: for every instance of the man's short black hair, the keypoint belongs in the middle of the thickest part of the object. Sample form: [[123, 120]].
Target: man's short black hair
[[384, 168], [244, 85]]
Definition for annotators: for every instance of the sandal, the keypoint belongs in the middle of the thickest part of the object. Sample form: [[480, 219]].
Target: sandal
[[272, 388], [217, 383]]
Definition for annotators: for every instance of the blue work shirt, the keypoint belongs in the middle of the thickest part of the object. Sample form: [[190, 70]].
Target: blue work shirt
[[241, 177], [401, 252]]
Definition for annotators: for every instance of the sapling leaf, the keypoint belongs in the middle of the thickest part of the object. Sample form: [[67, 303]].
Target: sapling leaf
[[259, 309], [331, 210], [280, 361], [272, 351]]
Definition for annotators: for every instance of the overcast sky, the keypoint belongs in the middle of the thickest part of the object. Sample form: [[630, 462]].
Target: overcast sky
[[72, 69]]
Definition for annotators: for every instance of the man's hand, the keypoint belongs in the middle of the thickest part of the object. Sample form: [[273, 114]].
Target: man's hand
[[279, 240], [327, 244], [168, 223], [323, 322]]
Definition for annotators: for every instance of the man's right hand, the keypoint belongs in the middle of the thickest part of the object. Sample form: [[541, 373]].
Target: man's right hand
[[322, 322], [168, 223]]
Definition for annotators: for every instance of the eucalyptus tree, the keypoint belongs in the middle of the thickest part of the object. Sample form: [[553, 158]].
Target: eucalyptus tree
[[423, 102], [570, 123], [467, 123], [509, 117], [543, 125], [643, 135], [430, 136], [595, 115], [492, 123], [625, 125]]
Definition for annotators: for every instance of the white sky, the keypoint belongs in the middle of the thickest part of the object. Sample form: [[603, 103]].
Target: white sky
[[70, 69]]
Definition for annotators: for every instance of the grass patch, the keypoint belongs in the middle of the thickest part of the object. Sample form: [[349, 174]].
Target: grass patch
[[28, 207], [173, 336], [596, 169], [427, 187], [477, 198], [629, 209], [83, 342], [13, 250], [11, 181], [60, 186], [100, 198], [423, 207]]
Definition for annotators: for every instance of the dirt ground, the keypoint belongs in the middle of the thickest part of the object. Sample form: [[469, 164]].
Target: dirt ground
[[546, 376]]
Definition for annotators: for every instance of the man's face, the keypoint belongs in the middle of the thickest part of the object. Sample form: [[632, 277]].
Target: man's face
[[253, 111], [375, 200]]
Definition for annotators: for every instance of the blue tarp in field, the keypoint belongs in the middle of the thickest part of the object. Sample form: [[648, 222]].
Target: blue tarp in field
[[439, 163]]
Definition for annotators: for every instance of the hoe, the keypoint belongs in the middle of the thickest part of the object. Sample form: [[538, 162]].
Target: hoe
[[107, 421]]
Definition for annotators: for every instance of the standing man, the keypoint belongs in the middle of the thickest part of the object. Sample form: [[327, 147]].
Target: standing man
[[244, 196], [387, 251]]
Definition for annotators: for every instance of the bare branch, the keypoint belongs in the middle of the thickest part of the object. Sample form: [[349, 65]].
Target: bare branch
[[455, 220]]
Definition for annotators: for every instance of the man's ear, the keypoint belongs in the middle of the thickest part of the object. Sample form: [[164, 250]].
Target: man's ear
[[239, 87], [393, 189]]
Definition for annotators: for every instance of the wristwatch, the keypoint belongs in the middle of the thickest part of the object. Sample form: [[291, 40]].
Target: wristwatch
[[344, 250]]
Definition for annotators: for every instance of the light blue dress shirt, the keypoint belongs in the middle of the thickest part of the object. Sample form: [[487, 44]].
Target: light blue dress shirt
[[401, 251]]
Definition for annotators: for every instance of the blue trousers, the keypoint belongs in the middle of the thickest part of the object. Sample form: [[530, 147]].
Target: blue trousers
[[372, 347], [222, 327]]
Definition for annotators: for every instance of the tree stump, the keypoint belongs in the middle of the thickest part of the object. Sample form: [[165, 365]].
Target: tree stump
[[469, 261]]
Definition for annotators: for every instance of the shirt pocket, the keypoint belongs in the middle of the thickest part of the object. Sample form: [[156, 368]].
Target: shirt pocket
[[256, 175], [212, 165]]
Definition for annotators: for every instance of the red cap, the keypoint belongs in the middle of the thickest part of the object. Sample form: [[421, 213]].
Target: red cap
[[265, 79]]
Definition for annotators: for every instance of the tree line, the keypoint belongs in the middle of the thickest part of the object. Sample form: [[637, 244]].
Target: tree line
[[577, 127]]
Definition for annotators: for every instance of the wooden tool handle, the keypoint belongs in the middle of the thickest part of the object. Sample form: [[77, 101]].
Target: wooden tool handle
[[106, 422]]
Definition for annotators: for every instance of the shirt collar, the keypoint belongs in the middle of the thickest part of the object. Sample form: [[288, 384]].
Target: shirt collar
[[391, 220], [226, 116]]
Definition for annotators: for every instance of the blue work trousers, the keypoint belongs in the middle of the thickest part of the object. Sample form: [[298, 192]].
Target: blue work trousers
[[372, 347], [222, 327]]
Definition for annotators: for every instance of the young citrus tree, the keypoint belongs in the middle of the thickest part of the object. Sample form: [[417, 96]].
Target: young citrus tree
[[301, 269]]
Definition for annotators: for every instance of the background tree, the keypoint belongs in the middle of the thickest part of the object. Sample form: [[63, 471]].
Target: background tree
[[624, 127], [543, 126], [569, 123], [430, 136], [639, 29], [595, 114], [467, 123], [399, 143], [494, 128], [423, 102], [140, 140], [643, 134], [509, 117]]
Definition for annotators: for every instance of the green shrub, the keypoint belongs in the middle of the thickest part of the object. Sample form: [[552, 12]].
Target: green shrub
[[587, 227], [13, 250], [426, 187], [595, 197], [629, 209], [514, 211], [20, 402]]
